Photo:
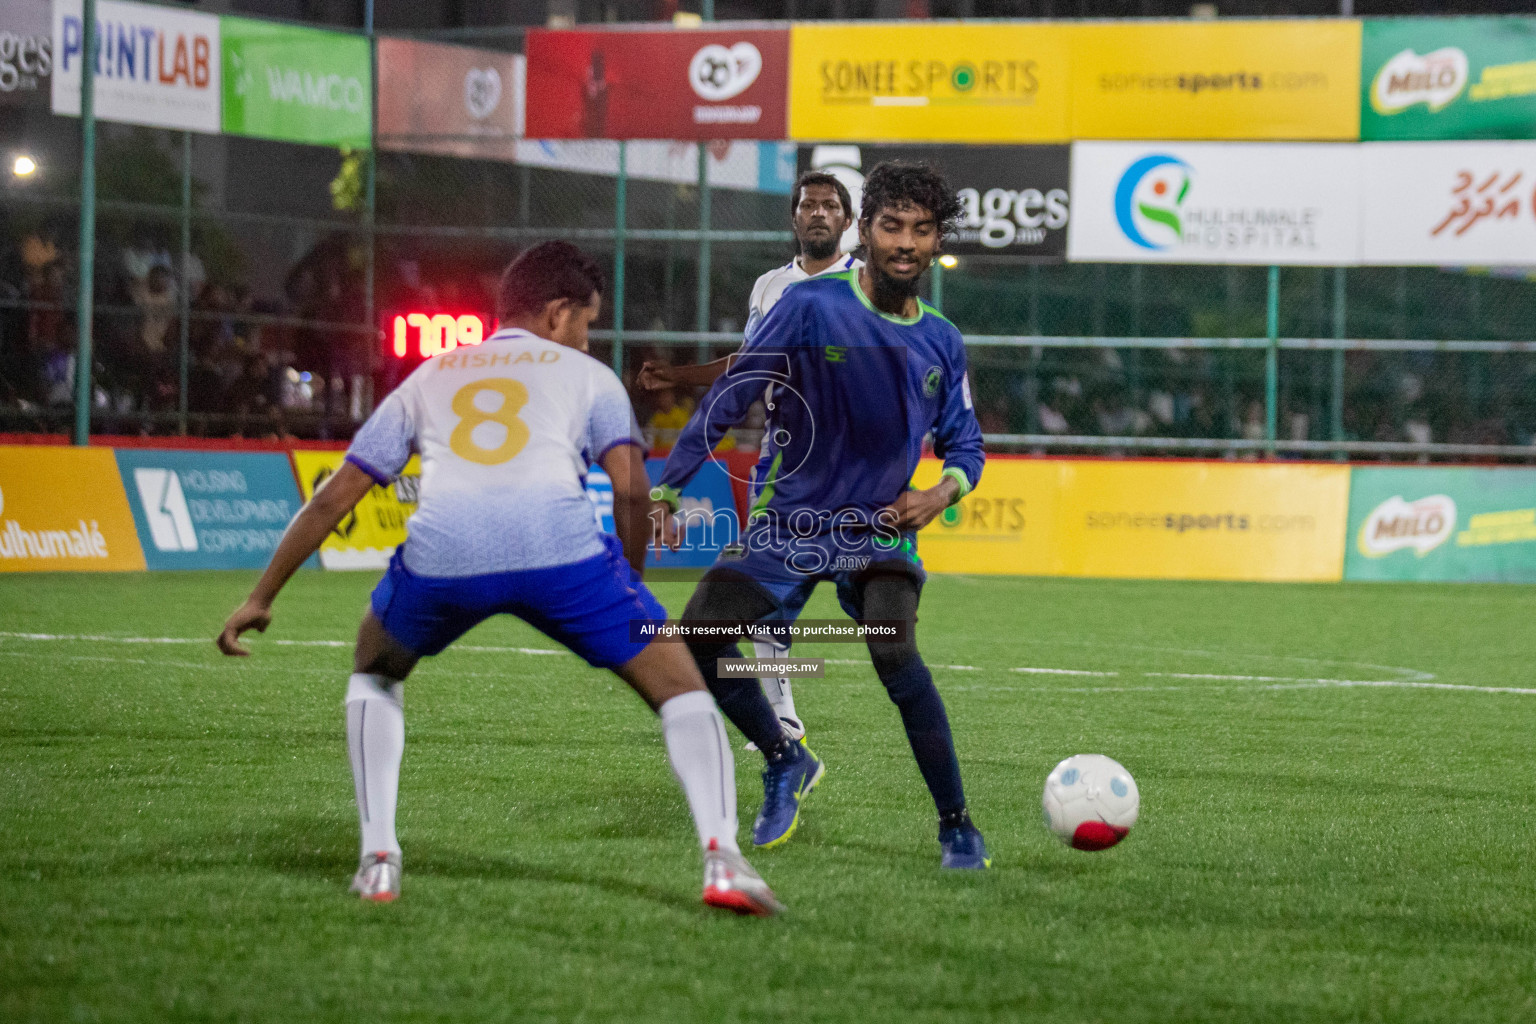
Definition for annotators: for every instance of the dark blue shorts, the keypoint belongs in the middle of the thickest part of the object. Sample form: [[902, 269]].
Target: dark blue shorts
[[587, 605], [790, 570]]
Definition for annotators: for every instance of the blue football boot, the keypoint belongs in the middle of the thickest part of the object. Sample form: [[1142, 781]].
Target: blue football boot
[[964, 849], [786, 784]]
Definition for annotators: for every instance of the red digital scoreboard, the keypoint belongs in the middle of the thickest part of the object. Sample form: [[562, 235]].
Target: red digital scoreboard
[[422, 335]]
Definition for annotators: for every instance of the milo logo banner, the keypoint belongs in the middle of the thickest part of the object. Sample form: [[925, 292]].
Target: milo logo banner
[[1448, 78], [1451, 524]]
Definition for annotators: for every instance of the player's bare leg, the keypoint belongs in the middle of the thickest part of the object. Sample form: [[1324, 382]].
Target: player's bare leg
[[666, 678], [376, 744]]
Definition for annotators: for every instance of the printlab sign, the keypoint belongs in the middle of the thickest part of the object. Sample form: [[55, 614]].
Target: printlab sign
[[155, 66]]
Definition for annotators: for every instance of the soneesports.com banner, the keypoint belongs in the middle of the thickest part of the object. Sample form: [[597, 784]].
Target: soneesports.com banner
[[1273, 79], [1014, 200], [63, 509], [209, 509], [1144, 520], [1451, 523], [1448, 78]]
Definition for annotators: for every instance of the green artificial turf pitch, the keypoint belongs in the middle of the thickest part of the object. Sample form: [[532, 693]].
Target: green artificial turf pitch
[[177, 830]]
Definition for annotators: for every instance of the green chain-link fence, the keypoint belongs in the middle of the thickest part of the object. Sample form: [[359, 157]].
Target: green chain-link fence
[[273, 309]]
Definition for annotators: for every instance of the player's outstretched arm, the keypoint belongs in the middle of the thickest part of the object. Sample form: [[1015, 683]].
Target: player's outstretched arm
[[338, 496], [625, 466], [657, 376]]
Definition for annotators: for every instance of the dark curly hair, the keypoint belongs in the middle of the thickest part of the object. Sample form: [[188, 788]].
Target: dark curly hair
[[897, 184]]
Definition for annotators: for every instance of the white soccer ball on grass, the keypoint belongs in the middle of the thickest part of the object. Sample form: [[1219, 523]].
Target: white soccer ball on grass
[[1090, 802]]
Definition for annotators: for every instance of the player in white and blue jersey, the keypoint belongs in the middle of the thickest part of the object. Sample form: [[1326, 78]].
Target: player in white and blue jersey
[[821, 212], [506, 432], [866, 371]]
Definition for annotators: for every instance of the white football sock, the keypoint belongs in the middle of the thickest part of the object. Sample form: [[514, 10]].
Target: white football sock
[[776, 688], [701, 758], [376, 742]]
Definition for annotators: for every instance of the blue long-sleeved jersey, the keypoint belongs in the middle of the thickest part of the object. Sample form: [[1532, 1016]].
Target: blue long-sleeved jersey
[[854, 392]]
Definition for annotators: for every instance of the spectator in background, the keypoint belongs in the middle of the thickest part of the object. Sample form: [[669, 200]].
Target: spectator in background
[[152, 359]]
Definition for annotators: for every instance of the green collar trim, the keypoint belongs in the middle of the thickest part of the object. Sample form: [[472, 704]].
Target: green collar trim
[[853, 282]]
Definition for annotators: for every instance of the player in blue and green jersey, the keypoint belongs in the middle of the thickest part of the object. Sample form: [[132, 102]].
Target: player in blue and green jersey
[[863, 371]]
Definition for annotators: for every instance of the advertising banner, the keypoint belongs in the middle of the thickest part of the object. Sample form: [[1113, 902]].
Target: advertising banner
[[450, 100], [708, 517], [1447, 203], [1257, 203], [26, 53], [1448, 78], [296, 84], [1271, 79], [695, 84], [1144, 520], [748, 166], [1451, 523], [155, 66], [1014, 199], [63, 509], [369, 534], [930, 82], [1007, 526], [209, 509]]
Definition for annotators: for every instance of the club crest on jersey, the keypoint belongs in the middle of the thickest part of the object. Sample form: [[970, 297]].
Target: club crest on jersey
[[931, 381]]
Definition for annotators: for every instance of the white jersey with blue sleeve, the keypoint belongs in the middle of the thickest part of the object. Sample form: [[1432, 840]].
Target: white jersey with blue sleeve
[[506, 431], [770, 287]]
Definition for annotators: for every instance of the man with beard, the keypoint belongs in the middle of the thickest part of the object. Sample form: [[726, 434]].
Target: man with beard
[[865, 371], [821, 210]]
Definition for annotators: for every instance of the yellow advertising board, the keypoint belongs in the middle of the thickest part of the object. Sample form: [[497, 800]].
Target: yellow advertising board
[[1145, 520], [930, 82], [1007, 526], [1217, 80], [367, 537], [64, 509]]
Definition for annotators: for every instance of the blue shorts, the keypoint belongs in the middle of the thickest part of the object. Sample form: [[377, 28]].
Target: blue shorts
[[789, 573], [587, 605]]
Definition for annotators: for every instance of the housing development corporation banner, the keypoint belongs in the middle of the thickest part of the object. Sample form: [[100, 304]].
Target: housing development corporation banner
[[1273, 79], [209, 509], [1190, 202], [155, 66], [1448, 203], [930, 82], [1448, 78], [1144, 520], [696, 84], [63, 509], [1445, 523]]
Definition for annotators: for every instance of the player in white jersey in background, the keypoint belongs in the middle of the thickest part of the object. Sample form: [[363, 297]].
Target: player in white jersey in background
[[821, 211], [506, 433]]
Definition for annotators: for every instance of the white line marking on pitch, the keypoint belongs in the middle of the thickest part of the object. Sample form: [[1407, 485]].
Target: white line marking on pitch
[[1424, 680], [97, 638]]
